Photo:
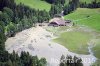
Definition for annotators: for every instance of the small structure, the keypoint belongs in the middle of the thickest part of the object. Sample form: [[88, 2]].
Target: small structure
[[59, 22], [68, 21]]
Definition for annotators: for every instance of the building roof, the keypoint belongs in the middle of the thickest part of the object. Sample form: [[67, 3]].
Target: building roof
[[67, 21], [59, 21]]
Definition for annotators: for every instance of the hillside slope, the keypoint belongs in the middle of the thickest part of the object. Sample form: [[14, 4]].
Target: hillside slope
[[85, 16], [41, 5], [90, 18], [37, 4]]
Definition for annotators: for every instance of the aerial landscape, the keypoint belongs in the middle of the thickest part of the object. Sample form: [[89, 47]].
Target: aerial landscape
[[49, 32]]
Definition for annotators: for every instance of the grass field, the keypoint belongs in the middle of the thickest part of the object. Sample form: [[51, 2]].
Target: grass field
[[97, 63], [88, 17], [96, 49], [74, 41], [37, 4]]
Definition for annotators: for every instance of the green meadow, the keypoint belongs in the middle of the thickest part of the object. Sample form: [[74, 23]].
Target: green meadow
[[96, 49], [88, 17], [75, 41], [37, 4]]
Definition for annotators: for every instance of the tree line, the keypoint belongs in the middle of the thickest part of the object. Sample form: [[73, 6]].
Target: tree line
[[60, 5], [93, 4], [13, 59], [71, 6], [19, 17], [70, 61]]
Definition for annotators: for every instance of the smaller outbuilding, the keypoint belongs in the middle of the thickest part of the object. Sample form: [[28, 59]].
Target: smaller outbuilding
[[68, 21]]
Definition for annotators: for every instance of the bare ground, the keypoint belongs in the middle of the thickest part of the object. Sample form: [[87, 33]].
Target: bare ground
[[38, 41]]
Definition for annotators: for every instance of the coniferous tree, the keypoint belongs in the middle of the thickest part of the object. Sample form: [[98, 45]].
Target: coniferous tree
[[70, 61], [9, 63], [2, 36]]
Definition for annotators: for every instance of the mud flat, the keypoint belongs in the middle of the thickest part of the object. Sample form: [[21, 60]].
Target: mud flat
[[38, 41]]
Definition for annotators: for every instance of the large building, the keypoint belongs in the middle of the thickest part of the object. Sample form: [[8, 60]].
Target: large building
[[58, 22]]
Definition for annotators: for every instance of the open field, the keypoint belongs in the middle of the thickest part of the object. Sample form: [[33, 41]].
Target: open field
[[97, 63], [37, 4], [74, 41], [88, 17], [96, 49]]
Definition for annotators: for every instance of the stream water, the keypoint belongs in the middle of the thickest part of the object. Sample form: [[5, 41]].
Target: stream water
[[90, 49]]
